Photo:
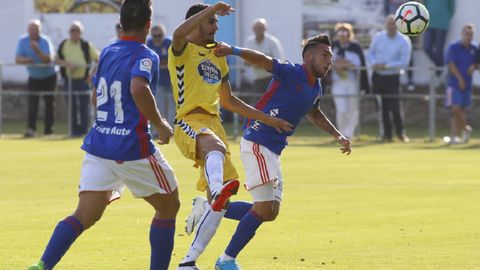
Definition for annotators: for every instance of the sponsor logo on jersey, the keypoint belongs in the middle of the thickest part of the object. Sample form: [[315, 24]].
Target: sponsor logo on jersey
[[146, 65], [209, 72], [256, 125], [273, 112]]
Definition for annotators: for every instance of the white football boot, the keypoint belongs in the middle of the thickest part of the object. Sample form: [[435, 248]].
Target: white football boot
[[199, 205]]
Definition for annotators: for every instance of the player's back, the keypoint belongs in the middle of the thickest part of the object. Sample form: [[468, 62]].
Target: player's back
[[120, 131]]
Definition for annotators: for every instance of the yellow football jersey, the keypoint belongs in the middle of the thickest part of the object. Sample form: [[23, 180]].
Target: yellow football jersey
[[196, 76]]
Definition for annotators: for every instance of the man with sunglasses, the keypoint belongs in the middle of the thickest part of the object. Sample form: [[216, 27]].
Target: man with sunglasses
[[78, 59], [200, 82], [160, 43]]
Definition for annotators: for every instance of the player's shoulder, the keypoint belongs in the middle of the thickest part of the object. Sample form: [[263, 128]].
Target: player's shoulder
[[167, 41], [23, 37], [379, 34], [146, 52], [45, 38], [455, 45], [287, 64], [403, 37], [272, 38]]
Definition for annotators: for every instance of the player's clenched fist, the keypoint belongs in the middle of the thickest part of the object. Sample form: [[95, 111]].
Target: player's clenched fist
[[222, 8]]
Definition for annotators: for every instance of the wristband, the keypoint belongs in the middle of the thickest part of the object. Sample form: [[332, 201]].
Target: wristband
[[236, 50]]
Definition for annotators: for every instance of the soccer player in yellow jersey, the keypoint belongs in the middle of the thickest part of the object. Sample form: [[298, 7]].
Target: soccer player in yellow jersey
[[200, 85]]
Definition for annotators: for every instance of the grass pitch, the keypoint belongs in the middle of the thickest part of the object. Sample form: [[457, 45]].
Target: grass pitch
[[386, 206]]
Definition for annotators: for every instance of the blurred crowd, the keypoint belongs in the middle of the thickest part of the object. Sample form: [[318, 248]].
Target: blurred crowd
[[354, 72]]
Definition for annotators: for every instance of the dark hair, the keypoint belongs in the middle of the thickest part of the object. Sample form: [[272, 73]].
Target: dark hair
[[135, 14], [196, 8], [118, 26], [311, 42]]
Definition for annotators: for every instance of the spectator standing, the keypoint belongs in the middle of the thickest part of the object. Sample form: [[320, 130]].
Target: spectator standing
[[268, 44], [36, 48], [78, 59], [159, 43], [460, 58], [347, 56], [389, 52], [118, 33], [391, 7], [434, 38]]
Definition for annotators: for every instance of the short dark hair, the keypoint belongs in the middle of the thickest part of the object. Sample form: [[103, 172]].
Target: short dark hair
[[311, 42], [194, 9], [135, 14]]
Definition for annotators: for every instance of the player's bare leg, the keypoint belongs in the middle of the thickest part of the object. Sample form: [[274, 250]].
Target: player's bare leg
[[262, 211], [162, 229], [211, 149], [90, 209]]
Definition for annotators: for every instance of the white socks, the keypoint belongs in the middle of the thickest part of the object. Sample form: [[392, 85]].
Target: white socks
[[206, 228], [214, 170], [210, 220]]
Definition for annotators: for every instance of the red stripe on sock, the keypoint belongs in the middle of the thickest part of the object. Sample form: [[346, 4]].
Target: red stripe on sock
[[256, 215], [77, 226]]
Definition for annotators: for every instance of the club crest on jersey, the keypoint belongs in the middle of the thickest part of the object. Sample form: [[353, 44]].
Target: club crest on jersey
[[209, 72], [146, 65]]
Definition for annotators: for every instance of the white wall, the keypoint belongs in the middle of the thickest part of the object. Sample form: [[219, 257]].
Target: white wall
[[13, 16], [284, 18], [171, 12]]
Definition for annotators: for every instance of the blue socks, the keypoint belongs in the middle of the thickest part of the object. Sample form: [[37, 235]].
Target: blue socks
[[161, 241], [236, 210], [162, 232], [245, 231], [62, 238]]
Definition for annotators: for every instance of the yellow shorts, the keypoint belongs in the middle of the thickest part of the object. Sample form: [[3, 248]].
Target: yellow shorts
[[185, 133]]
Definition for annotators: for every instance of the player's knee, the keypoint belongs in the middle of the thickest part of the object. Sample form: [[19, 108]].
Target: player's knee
[[266, 213], [169, 209], [174, 207], [271, 215], [207, 144]]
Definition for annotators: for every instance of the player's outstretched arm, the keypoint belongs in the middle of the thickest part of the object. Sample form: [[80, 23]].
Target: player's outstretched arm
[[180, 34], [251, 56], [321, 121], [142, 95], [234, 104]]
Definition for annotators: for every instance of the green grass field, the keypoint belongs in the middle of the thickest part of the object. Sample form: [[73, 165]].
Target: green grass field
[[386, 206]]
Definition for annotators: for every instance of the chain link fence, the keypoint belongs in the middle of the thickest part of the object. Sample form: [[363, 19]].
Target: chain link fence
[[422, 108]]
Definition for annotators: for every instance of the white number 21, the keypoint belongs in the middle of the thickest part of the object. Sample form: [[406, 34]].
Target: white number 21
[[102, 98]]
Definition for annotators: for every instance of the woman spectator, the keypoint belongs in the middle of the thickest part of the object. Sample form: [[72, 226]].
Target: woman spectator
[[347, 57]]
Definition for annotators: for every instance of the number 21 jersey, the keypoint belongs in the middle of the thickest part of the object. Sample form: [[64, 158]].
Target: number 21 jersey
[[120, 131]]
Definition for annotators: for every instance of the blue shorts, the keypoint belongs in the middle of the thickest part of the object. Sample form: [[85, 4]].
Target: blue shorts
[[455, 96]]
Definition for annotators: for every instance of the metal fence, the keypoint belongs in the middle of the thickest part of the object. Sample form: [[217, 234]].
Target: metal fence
[[435, 93]]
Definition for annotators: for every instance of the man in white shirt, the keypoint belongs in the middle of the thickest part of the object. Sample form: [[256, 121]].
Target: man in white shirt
[[268, 44]]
